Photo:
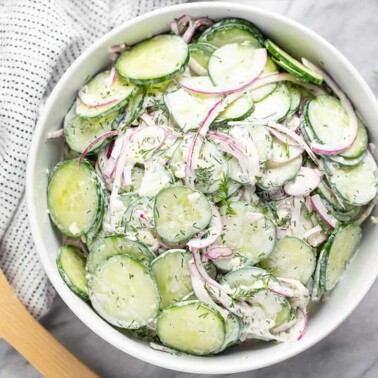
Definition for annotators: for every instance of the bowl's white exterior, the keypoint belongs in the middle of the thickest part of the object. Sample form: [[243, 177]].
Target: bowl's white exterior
[[298, 40]]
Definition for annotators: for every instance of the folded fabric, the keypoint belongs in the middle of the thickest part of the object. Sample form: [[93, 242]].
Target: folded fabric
[[39, 40]]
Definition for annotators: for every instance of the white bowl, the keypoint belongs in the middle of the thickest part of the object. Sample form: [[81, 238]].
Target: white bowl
[[296, 39]]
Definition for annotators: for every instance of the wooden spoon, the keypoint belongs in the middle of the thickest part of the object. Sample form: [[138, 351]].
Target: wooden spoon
[[37, 345]]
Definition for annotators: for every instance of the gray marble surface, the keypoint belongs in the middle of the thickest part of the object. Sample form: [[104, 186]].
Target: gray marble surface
[[352, 350]]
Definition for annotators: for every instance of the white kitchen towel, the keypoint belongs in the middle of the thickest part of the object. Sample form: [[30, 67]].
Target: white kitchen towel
[[39, 40]]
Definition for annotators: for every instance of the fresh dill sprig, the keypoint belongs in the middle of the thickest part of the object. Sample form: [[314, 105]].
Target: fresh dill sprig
[[223, 196]]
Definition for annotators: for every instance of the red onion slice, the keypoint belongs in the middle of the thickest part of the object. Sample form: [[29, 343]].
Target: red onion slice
[[232, 147], [112, 77], [285, 139], [195, 147], [323, 212], [214, 231], [96, 140], [55, 134], [203, 21], [334, 149], [297, 330], [216, 252], [304, 183], [197, 68]]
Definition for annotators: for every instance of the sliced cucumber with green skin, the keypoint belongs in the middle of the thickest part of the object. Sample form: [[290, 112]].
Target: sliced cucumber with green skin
[[180, 213], [75, 197], [109, 246], [292, 258], [124, 292], [327, 119], [189, 109], [156, 177], [360, 144], [191, 327], [275, 106], [171, 271], [234, 328], [201, 53], [154, 60], [137, 174], [231, 64], [99, 92], [356, 185], [296, 95], [136, 206], [133, 108], [247, 280], [230, 31], [262, 139], [276, 308], [79, 132], [236, 111], [292, 65], [338, 250], [276, 175], [260, 93], [71, 267], [250, 241], [211, 168], [344, 161], [326, 193]]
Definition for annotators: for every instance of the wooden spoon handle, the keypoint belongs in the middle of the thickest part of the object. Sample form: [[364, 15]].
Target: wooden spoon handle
[[37, 345]]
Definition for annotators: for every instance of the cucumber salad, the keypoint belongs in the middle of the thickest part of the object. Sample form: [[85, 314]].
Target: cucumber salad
[[212, 187]]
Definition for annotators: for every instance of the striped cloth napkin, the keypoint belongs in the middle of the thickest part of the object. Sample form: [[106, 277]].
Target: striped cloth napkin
[[39, 40]]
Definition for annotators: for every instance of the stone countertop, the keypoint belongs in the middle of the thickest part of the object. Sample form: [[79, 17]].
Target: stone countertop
[[349, 352]]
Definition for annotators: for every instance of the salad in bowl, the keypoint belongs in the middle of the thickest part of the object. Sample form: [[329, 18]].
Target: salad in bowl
[[212, 187]]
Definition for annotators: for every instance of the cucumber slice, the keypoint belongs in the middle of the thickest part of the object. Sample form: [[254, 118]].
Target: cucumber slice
[[276, 308], [251, 241], [274, 107], [231, 64], [79, 132], [98, 91], [328, 119], [296, 95], [230, 31], [277, 175], [172, 275], [180, 213], [75, 197], [249, 279], [191, 327], [123, 292], [327, 194], [236, 111], [262, 139], [189, 109], [133, 108], [357, 185], [136, 206], [71, 267], [292, 65], [211, 168], [338, 250], [260, 93], [201, 53], [137, 174], [154, 60], [234, 328], [360, 144], [156, 177], [292, 258], [344, 161], [109, 246]]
